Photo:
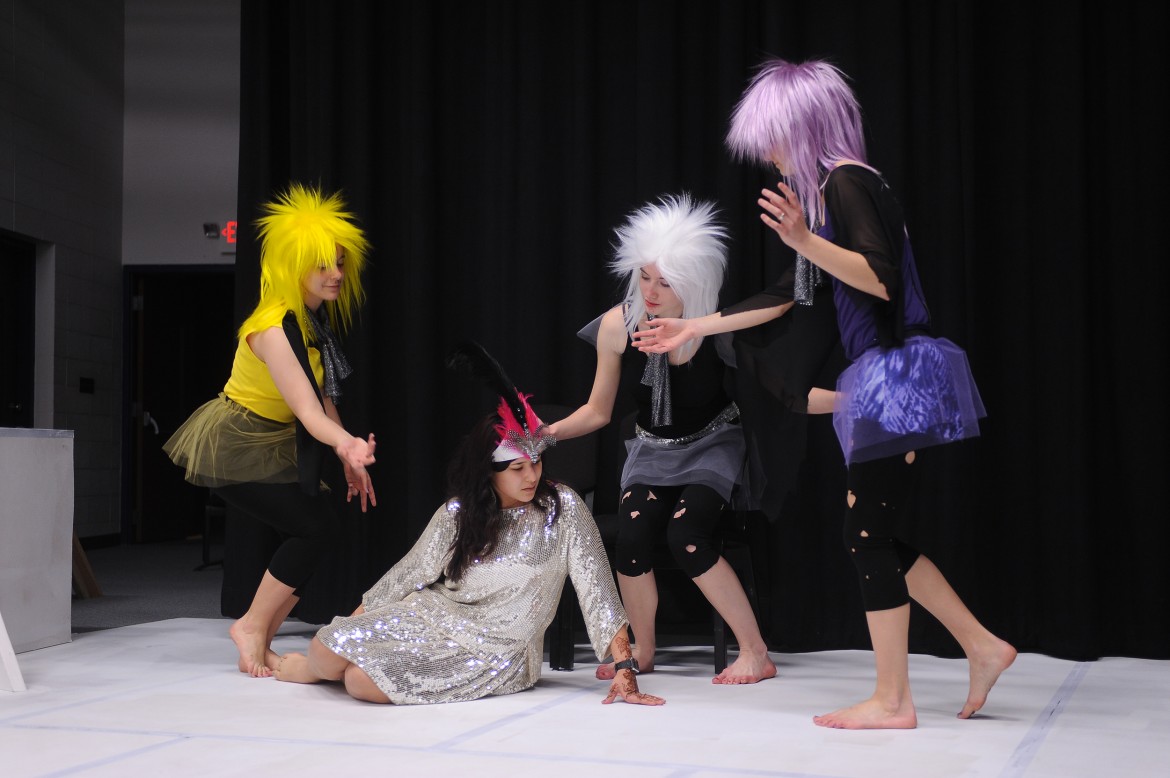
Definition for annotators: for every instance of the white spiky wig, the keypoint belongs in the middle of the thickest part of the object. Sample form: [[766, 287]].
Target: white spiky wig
[[688, 247]]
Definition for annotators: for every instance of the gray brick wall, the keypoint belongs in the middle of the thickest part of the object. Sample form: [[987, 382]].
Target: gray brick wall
[[61, 107]]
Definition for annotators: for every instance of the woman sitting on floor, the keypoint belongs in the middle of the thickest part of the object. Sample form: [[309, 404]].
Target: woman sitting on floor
[[463, 614]]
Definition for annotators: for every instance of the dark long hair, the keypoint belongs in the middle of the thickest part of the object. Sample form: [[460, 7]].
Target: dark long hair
[[469, 481]]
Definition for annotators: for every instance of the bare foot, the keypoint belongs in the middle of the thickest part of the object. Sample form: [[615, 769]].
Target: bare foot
[[986, 667], [871, 714], [294, 668], [270, 660], [250, 642], [747, 668]]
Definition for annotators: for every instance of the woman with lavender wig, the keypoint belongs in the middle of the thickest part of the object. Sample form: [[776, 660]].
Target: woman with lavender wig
[[904, 389]]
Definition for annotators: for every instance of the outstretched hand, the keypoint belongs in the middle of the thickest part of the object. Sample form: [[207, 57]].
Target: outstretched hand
[[782, 212], [625, 687], [355, 454], [358, 483], [663, 335]]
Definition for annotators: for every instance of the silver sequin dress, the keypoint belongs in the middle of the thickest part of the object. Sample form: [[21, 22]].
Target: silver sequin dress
[[426, 640]]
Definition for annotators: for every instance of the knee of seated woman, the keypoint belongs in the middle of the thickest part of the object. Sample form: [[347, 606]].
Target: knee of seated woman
[[361, 687], [695, 558]]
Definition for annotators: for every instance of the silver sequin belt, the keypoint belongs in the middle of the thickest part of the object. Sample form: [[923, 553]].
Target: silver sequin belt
[[728, 414]]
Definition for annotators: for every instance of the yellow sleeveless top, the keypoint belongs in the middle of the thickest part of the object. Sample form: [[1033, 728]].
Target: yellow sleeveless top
[[251, 385]]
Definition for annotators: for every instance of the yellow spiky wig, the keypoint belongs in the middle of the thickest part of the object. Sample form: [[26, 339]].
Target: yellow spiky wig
[[299, 234]]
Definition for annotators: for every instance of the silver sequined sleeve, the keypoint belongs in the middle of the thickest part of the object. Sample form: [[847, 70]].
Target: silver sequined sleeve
[[421, 566], [591, 575]]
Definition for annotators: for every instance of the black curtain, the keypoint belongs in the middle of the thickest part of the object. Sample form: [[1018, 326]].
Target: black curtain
[[491, 148]]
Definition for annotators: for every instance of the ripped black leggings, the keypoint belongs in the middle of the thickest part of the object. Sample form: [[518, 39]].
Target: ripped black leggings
[[687, 515], [879, 493]]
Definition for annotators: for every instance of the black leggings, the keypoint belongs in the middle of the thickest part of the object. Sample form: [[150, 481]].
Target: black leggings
[[305, 525], [879, 493], [689, 516]]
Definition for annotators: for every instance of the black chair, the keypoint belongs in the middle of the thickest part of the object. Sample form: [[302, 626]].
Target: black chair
[[739, 533], [572, 462], [213, 510], [744, 538]]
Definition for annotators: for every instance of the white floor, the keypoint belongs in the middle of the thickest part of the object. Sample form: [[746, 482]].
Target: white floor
[[164, 699]]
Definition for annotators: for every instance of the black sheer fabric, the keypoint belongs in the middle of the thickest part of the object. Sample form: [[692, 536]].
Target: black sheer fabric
[[866, 218], [866, 222], [777, 363], [776, 293], [491, 148]]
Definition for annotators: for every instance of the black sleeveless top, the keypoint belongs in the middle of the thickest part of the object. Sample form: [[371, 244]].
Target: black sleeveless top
[[698, 390]]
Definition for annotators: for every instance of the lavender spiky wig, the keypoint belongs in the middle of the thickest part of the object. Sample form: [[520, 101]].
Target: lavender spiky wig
[[300, 232], [806, 114], [687, 245]]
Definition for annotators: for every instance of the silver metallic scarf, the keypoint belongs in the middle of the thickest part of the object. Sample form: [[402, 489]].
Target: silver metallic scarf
[[332, 359], [808, 278], [657, 377]]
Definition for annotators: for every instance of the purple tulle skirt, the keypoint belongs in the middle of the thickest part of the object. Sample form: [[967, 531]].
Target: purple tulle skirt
[[895, 400]]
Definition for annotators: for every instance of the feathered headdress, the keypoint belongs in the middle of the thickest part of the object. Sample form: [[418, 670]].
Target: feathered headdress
[[522, 433]]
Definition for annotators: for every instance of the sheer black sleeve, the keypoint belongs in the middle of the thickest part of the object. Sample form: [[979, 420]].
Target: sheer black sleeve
[[771, 296], [859, 210], [866, 218]]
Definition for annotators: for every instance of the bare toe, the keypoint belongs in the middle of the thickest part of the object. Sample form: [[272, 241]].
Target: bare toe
[[294, 668], [871, 714], [985, 671], [251, 643], [747, 668]]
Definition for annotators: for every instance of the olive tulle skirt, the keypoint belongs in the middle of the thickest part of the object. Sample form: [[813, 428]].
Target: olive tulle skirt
[[224, 443]]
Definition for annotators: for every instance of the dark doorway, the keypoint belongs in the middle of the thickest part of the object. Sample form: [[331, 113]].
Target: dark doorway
[[18, 261], [180, 334]]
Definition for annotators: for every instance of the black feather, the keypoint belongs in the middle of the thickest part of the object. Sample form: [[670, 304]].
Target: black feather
[[472, 359]]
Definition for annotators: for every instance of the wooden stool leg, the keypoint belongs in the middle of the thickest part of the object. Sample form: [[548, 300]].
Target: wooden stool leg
[[84, 581]]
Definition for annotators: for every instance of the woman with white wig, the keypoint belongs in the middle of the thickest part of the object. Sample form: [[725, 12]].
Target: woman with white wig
[[688, 453]]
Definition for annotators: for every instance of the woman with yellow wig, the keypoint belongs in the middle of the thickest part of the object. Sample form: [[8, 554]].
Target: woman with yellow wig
[[260, 444]]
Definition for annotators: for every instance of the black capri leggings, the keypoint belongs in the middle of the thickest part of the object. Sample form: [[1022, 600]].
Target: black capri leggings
[[879, 494], [688, 515], [305, 525]]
